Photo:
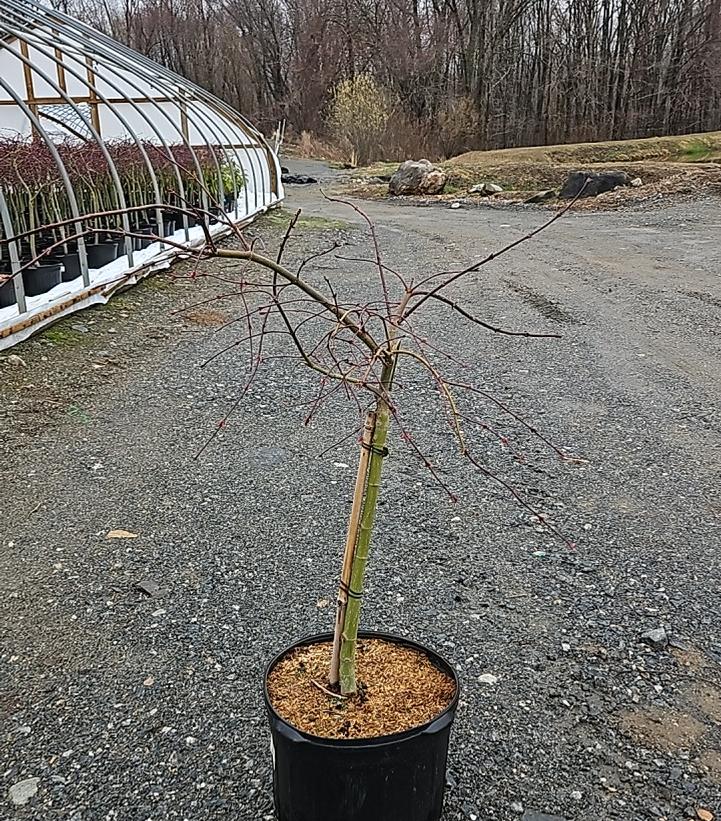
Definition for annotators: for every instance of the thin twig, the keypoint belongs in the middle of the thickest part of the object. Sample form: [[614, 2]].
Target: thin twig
[[291, 226], [327, 691], [456, 307], [494, 255]]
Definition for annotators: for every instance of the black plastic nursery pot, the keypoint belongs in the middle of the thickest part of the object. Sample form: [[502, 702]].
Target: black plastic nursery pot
[[150, 230], [41, 278], [7, 294], [71, 267], [101, 254], [398, 777]]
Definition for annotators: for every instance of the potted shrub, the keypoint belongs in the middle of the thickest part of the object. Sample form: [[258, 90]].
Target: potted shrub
[[40, 210], [360, 721], [42, 277]]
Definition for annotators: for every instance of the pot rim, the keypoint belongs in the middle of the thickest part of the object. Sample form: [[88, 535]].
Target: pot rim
[[44, 267], [373, 741]]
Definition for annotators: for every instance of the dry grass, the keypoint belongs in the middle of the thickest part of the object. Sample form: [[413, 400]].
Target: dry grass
[[684, 148], [311, 147], [666, 165]]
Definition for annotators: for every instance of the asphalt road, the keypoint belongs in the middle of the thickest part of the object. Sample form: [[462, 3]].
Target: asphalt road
[[125, 706]]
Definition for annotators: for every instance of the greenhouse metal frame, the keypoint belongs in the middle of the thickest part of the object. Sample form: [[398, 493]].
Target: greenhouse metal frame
[[110, 165]]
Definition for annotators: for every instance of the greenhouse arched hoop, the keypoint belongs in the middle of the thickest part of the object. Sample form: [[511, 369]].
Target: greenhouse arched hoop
[[110, 166]]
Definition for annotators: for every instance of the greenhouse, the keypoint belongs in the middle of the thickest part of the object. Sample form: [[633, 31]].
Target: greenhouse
[[110, 165]]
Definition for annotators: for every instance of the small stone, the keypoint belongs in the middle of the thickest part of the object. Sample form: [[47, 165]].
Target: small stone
[[486, 189], [21, 792], [678, 644], [541, 196], [517, 807], [704, 815], [594, 706], [576, 795], [566, 647], [487, 678], [149, 681], [637, 182], [159, 612], [17, 361], [455, 205], [656, 638], [148, 586]]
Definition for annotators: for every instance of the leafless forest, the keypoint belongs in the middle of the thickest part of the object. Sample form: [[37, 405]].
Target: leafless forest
[[461, 74]]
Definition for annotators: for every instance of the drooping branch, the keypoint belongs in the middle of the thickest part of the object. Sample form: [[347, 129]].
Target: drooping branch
[[306, 287], [463, 312], [426, 295], [506, 409], [357, 345]]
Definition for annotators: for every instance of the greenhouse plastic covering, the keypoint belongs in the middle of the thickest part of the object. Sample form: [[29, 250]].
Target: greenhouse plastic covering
[[103, 155]]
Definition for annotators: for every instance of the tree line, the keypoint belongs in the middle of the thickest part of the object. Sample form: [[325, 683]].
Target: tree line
[[459, 74]]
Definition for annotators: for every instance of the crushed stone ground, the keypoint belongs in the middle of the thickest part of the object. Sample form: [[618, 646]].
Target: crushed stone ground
[[129, 707]]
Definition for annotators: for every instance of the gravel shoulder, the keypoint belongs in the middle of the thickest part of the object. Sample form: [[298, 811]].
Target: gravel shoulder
[[132, 707]]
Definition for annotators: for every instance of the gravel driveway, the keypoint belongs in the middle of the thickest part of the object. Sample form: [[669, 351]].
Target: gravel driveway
[[116, 704]]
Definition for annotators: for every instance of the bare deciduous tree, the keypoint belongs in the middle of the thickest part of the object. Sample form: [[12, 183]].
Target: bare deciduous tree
[[534, 71]]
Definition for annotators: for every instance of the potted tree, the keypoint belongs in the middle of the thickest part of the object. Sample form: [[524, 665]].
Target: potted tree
[[360, 721]]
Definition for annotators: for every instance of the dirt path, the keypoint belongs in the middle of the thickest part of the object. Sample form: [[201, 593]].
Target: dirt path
[[130, 707]]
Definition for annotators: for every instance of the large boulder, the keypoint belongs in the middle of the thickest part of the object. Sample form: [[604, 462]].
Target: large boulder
[[417, 177], [596, 182]]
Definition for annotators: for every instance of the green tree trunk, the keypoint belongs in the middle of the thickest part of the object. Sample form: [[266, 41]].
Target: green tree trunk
[[349, 638]]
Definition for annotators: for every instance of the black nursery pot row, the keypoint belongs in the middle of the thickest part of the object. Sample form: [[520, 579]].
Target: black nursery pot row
[[38, 280], [59, 268], [41, 278]]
